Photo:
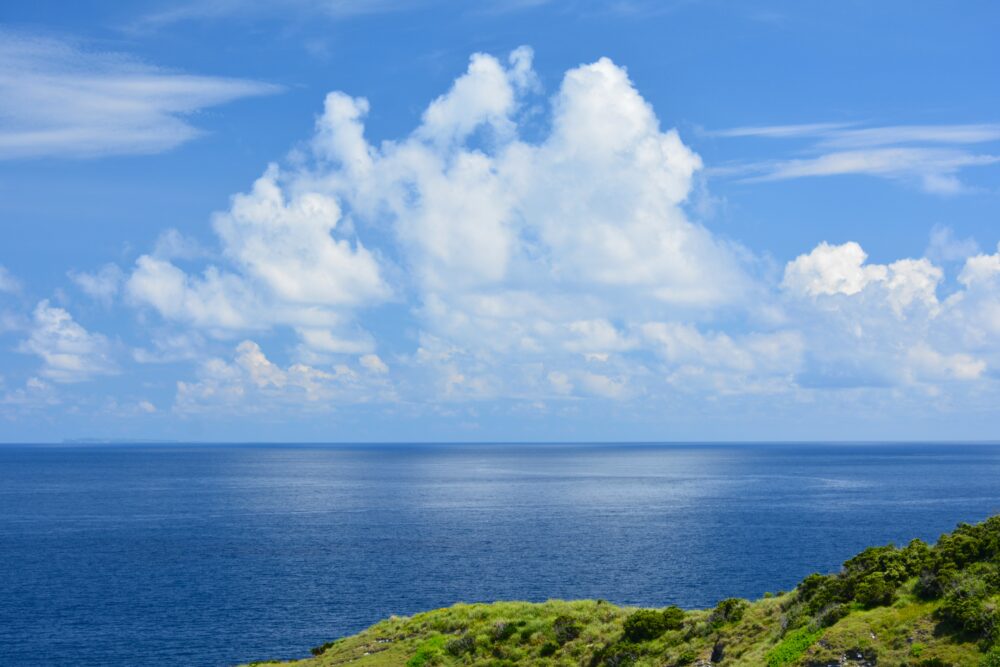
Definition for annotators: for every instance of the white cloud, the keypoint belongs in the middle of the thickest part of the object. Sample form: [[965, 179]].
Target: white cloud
[[930, 156], [933, 169], [945, 247], [531, 247], [8, 283], [719, 363], [929, 363], [534, 264], [291, 265], [883, 325], [981, 270], [62, 100], [215, 300], [102, 285], [171, 244], [69, 352], [330, 10], [253, 383], [169, 347], [373, 363], [831, 270], [220, 9], [288, 247], [35, 393], [503, 244]]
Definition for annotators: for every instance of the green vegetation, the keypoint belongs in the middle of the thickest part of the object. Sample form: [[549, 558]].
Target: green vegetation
[[792, 647], [916, 606]]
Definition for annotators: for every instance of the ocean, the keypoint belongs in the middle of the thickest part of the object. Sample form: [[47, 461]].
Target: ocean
[[218, 554]]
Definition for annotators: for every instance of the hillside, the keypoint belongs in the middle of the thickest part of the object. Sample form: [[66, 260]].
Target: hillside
[[919, 605]]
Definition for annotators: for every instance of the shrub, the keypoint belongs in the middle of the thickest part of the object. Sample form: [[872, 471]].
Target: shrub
[[729, 610], [831, 614], [566, 630], [502, 631], [992, 658], [323, 648], [686, 657], [548, 648], [929, 586], [464, 644], [673, 618], [619, 654], [965, 607], [644, 625], [917, 556], [874, 590]]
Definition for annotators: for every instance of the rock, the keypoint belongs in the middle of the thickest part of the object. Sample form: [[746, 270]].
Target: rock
[[718, 652]]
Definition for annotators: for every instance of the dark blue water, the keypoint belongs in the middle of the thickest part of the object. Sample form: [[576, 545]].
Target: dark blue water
[[213, 555]]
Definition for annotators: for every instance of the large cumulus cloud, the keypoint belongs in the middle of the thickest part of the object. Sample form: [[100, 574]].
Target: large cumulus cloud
[[543, 248]]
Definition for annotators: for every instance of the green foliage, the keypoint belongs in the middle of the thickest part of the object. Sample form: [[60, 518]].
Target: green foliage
[[967, 607], [686, 657], [644, 625], [729, 610], [792, 647], [502, 630], [874, 590], [548, 648], [618, 654], [464, 644], [428, 652], [323, 648], [673, 617], [992, 658], [565, 629]]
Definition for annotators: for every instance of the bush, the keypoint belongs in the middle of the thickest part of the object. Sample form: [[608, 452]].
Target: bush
[[686, 657], [929, 586], [548, 648], [992, 658], [874, 590], [832, 614], [464, 644], [323, 648], [966, 609], [729, 610], [644, 625], [565, 629], [673, 618], [502, 631], [619, 654]]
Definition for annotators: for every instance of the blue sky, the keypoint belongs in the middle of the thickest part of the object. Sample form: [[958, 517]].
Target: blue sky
[[524, 220]]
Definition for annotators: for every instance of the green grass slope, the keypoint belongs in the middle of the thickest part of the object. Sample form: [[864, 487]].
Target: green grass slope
[[918, 606]]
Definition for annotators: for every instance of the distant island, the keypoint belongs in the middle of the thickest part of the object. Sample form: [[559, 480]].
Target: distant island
[[915, 606]]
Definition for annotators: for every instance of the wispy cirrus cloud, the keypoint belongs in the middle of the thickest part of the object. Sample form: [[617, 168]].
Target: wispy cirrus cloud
[[930, 156], [221, 9], [60, 100]]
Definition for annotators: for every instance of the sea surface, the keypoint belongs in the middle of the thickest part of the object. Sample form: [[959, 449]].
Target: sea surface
[[212, 555]]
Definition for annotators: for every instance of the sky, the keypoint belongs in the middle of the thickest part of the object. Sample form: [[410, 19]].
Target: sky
[[419, 220]]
